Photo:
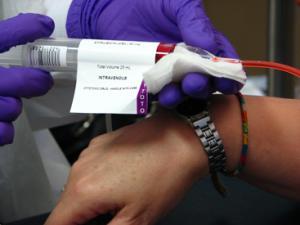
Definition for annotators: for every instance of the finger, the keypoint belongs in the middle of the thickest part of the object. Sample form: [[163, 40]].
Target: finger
[[70, 214], [79, 203], [24, 28], [196, 85], [130, 215], [197, 30], [10, 108], [170, 96], [195, 26], [6, 133], [24, 82], [225, 48], [226, 86]]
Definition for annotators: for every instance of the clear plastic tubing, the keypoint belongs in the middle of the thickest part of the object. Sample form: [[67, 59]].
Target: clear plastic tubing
[[45, 54]]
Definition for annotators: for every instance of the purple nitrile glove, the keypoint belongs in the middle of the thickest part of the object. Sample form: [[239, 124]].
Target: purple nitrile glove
[[16, 83], [168, 21]]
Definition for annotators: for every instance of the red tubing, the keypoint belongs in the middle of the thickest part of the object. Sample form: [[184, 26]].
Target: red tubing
[[271, 65]]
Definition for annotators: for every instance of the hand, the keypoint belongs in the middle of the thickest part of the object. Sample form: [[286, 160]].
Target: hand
[[169, 21], [20, 82], [136, 175]]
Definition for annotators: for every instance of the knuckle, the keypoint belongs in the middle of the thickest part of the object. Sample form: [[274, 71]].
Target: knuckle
[[94, 141], [83, 154], [83, 187], [79, 182], [79, 188], [77, 166], [99, 140]]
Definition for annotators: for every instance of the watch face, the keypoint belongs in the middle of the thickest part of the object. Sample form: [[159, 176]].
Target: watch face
[[191, 107]]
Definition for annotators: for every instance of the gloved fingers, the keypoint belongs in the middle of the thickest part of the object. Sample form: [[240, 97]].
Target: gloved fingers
[[226, 86], [195, 26], [225, 48], [24, 28], [197, 85], [24, 82], [171, 95], [12, 108], [197, 30], [6, 133]]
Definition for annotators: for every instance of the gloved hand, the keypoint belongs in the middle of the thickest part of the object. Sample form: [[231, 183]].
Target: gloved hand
[[168, 21], [16, 83]]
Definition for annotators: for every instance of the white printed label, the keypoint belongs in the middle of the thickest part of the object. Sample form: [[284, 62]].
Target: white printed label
[[110, 76], [47, 56]]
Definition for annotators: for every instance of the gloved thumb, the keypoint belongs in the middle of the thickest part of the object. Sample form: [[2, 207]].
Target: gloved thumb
[[24, 28]]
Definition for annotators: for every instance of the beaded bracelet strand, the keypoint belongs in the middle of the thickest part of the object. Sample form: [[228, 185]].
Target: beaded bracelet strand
[[245, 129]]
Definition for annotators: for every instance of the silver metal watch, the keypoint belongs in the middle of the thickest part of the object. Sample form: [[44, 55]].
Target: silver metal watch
[[211, 141]]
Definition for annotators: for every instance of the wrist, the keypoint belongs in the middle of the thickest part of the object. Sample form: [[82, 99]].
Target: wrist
[[225, 113], [190, 152]]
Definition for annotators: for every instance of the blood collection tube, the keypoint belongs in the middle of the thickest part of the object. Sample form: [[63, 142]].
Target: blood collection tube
[[61, 55], [56, 55], [45, 54]]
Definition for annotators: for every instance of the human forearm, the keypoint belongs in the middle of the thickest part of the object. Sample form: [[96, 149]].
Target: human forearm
[[273, 158], [141, 171]]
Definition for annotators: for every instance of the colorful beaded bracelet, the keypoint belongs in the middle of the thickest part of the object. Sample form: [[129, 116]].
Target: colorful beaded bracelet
[[245, 129]]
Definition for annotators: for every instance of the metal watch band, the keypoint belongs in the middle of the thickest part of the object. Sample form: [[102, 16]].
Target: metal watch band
[[211, 141]]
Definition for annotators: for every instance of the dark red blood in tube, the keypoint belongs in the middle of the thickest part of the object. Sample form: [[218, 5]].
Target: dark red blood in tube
[[163, 50], [271, 65]]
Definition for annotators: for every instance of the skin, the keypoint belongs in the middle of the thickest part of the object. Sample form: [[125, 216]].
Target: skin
[[140, 172]]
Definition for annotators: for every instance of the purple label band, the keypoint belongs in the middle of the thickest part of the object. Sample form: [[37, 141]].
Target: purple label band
[[142, 100]]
